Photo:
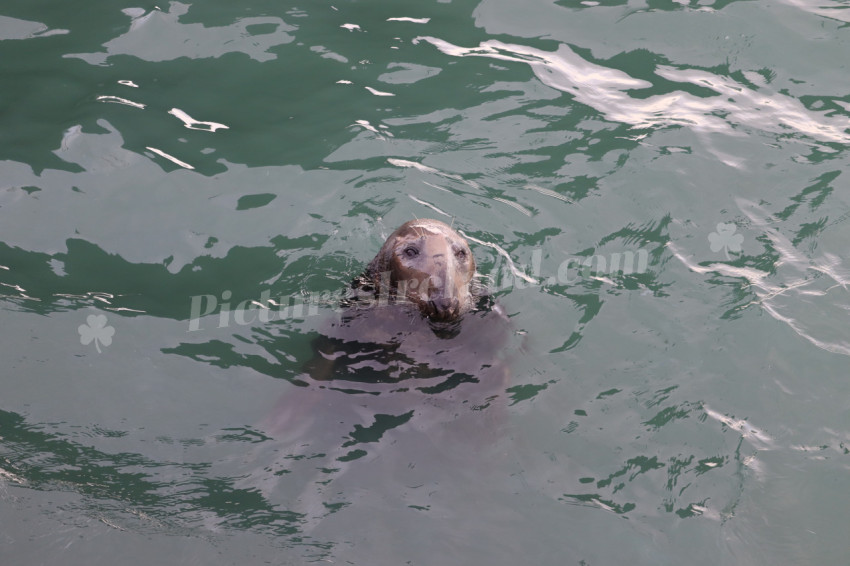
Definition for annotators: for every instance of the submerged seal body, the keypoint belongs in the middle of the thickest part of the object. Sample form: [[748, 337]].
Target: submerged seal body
[[412, 370], [427, 264]]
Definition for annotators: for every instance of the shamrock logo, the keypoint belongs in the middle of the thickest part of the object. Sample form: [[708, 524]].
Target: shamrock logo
[[726, 239], [96, 330]]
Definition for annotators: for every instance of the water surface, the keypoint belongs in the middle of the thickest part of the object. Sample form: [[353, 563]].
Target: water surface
[[655, 190]]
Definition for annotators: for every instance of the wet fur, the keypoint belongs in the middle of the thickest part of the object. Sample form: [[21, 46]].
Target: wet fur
[[440, 280]]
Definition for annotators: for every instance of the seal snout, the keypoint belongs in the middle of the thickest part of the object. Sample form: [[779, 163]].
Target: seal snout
[[443, 308]]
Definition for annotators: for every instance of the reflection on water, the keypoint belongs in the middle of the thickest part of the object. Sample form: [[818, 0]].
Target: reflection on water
[[127, 490], [160, 36], [796, 290], [725, 107]]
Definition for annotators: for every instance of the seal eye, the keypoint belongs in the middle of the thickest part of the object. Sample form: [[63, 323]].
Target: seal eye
[[411, 252], [460, 254]]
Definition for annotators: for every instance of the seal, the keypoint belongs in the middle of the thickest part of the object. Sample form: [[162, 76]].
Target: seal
[[404, 315], [427, 264], [414, 368]]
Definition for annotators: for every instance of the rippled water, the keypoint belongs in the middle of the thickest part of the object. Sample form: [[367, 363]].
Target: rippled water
[[654, 190]]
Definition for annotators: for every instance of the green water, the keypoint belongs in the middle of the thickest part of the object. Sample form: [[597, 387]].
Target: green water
[[164, 169]]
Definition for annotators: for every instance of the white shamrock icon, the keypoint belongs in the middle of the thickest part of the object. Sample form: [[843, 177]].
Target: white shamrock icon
[[96, 329], [726, 239]]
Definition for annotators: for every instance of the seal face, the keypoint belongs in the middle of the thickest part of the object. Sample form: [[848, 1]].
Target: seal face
[[426, 263]]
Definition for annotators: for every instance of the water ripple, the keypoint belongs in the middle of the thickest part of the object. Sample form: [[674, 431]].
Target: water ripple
[[160, 36], [830, 10], [604, 89], [797, 290], [14, 28]]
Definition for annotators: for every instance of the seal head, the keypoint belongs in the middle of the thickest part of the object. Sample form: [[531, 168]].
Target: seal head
[[425, 263]]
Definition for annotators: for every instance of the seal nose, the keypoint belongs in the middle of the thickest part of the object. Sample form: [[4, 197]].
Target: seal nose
[[444, 308]]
